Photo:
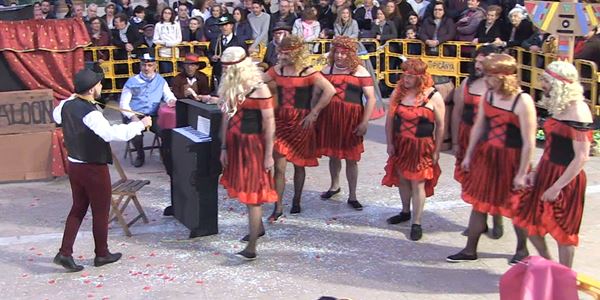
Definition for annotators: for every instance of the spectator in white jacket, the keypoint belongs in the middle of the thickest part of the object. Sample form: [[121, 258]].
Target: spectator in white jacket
[[307, 25], [259, 21], [167, 33], [345, 25]]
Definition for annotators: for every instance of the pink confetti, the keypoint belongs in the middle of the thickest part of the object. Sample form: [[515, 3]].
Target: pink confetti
[[230, 208], [84, 275], [105, 298], [90, 295], [318, 257], [146, 274], [30, 259], [148, 265], [152, 254], [39, 254], [99, 285], [165, 277], [199, 281], [32, 248], [51, 281], [100, 276], [87, 281], [25, 275], [147, 288], [80, 257], [216, 253], [131, 257], [160, 274]]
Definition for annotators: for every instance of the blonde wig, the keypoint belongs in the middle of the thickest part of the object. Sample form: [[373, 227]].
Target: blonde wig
[[295, 47], [565, 86], [504, 67], [238, 79]]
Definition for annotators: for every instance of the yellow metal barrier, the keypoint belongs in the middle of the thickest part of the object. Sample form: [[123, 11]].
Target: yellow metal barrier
[[589, 286], [453, 60]]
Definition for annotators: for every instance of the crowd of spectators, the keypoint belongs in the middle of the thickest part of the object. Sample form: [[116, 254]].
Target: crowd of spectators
[[502, 23]]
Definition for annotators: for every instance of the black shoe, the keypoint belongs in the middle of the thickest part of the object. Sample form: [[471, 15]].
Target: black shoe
[[466, 231], [330, 193], [245, 255], [168, 211], [246, 238], [274, 216], [497, 232], [355, 204], [109, 259], [416, 232], [517, 258], [67, 262], [461, 257], [139, 161], [399, 218], [296, 209]]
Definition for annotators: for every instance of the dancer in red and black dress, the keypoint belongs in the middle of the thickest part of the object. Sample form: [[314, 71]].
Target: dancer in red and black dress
[[554, 202], [295, 115], [466, 101], [343, 123], [499, 153], [414, 130], [248, 130]]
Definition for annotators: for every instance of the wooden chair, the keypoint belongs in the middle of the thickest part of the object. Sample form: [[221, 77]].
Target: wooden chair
[[125, 191], [129, 149]]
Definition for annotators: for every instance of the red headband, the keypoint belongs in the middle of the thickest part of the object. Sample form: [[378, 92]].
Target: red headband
[[227, 63], [413, 72], [290, 49], [558, 76]]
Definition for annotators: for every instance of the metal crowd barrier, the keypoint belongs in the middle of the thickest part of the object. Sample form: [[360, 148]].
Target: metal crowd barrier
[[452, 59]]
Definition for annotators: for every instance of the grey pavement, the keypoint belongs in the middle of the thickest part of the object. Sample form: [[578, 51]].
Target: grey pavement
[[328, 249]]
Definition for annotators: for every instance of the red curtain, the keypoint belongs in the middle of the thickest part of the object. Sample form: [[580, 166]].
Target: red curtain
[[45, 54]]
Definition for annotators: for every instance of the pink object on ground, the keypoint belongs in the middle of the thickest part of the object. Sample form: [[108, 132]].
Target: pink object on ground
[[537, 278]]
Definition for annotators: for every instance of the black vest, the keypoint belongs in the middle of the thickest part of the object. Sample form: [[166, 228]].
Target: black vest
[[82, 143]]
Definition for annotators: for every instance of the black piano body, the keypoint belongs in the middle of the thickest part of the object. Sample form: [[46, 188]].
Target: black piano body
[[196, 168]]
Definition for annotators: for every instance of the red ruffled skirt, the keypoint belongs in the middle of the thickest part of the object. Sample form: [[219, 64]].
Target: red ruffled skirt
[[561, 218], [335, 131], [464, 131], [488, 184], [413, 160], [297, 144], [245, 176]]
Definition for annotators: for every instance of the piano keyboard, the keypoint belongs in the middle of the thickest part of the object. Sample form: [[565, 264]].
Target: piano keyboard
[[193, 134]]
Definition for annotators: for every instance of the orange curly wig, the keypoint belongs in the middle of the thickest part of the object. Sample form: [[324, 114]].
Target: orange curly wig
[[415, 67], [347, 45]]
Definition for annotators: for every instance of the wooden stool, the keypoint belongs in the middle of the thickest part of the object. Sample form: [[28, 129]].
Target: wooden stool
[[125, 191]]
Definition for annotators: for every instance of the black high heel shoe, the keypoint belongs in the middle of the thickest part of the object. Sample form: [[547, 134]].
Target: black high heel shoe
[[275, 215]]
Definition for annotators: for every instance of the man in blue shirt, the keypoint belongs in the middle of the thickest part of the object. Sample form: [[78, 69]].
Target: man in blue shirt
[[144, 93]]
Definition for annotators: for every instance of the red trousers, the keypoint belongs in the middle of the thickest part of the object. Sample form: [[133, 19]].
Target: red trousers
[[90, 185]]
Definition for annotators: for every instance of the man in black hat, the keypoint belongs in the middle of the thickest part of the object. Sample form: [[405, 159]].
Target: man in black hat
[[280, 30], [87, 136], [219, 44]]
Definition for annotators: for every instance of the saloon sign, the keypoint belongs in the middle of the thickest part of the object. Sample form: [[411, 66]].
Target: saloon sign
[[26, 111]]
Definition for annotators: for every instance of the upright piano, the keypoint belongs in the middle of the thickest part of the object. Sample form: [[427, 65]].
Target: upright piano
[[195, 150]]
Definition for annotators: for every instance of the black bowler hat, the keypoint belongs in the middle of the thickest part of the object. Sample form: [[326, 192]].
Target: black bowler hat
[[86, 79], [282, 26], [224, 20]]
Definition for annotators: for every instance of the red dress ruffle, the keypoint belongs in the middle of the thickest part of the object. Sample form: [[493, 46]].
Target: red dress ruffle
[[339, 119], [560, 218], [245, 176], [488, 184], [413, 157], [464, 130], [297, 144]]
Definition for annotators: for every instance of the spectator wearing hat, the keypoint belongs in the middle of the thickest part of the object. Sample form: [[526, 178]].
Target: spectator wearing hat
[[109, 16], [280, 30], [87, 137], [211, 26], [195, 31], [242, 28], [190, 83], [259, 21], [148, 37], [217, 45], [284, 15], [144, 93]]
